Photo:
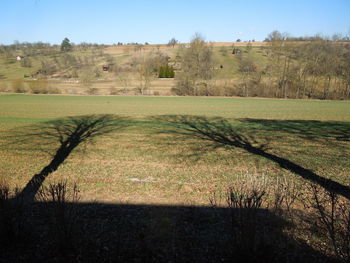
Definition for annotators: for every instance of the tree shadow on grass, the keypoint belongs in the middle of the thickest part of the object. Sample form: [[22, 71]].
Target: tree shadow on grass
[[150, 233], [219, 132], [60, 138], [307, 129]]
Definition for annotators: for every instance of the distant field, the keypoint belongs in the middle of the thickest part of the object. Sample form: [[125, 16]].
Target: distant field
[[55, 106], [122, 49], [174, 169]]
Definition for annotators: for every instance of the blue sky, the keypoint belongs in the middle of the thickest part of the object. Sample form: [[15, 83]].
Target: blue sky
[[156, 21]]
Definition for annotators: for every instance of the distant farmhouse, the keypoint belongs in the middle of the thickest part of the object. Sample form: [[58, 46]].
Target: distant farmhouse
[[236, 51]]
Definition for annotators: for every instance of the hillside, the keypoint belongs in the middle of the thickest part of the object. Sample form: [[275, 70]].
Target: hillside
[[69, 78], [305, 69]]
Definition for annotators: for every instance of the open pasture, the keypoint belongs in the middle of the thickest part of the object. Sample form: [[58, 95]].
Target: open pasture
[[166, 150]]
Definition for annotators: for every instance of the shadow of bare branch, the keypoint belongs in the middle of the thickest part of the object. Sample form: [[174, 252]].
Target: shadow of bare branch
[[63, 135], [308, 129], [219, 132]]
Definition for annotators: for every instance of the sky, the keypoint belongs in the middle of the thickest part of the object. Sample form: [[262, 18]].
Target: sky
[[157, 21]]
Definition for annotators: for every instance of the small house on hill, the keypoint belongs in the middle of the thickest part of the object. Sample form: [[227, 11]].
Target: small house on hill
[[108, 67], [236, 51]]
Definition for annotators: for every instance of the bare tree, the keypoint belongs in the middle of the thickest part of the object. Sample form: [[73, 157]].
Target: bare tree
[[172, 42], [247, 68], [86, 80], [196, 64], [145, 73], [124, 81]]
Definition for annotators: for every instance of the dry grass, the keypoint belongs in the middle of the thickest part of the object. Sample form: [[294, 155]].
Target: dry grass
[[140, 165]]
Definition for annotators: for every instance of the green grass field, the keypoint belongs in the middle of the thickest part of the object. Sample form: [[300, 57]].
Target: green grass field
[[150, 161]]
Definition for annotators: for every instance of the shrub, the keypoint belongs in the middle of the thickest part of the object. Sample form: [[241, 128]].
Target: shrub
[[333, 219], [92, 91], [54, 90], [255, 231], [60, 199], [48, 67], [26, 62], [74, 74], [184, 86], [166, 72], [4, 87], [18, 86], [113, 91], [39, 86], [245, 202], [12, 220], [97, 72]]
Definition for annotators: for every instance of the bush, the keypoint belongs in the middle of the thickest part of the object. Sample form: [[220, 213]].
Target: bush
[[332, 219], [246, 202], [113, 91], [184, 86], [12, 220], [60, 199], [255, 232], [18, 86], [47, 67], [166, 72], [39, 86], [54, 90], [97, 72], [3, 87], [92, 91], [26, 63], [74, 74]]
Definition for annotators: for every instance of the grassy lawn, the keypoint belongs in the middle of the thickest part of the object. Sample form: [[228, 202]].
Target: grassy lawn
[[149, 161]]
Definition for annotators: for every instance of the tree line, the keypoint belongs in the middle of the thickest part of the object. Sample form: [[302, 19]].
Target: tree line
[[306, 67], [316, 68]]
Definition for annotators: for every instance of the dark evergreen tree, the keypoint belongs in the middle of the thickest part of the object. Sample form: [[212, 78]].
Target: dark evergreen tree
[[172, 73], [166, 72], [161, 72], [66, 45]]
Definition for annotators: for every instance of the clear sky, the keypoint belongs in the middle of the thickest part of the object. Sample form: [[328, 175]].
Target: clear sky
[[156, 21]]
